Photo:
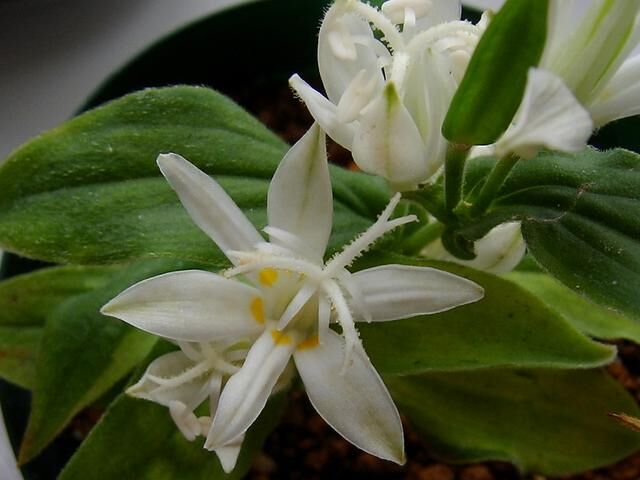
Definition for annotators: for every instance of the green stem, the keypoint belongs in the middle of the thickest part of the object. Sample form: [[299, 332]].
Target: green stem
[[454, 175], [419, 239], [494, 181]]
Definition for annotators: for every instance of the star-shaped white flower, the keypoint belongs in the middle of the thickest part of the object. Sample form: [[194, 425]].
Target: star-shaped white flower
[[387, 99], [283, 294]]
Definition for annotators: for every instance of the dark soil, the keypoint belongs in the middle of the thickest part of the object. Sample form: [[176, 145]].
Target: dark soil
[[304, 447]]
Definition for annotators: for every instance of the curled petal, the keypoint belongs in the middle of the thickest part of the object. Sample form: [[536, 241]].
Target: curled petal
[[300, 200], [324, 112], [246, 393], [189, 305], [387, 142], [355, 403], [549, 116], [391, 292], [208, 205]]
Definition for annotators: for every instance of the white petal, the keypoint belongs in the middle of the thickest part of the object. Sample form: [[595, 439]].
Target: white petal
[[324, 112], [208, 205], [166, 367], [620, 98], [300, 200], [356, 403], [228, 454], [499, 251], [388, 143], [346, 45], [399, 291], [549, 116], [246, 393], [428, 92], [588, 57], [190, 305]]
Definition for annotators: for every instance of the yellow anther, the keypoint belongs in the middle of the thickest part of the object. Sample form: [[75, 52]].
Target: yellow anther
[[309, 342], [280, 338], [257, 310], [268, 276]]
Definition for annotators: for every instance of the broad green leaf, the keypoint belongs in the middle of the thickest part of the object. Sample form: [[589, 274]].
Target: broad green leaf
[[494, 82], [508, 327], [580, 218], [83, 354], [586, 316], [18, 352], [551, 422], [25, 302], [90, 191], [27, 299]]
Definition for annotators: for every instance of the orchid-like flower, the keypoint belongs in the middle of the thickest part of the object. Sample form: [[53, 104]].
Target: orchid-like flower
[[591, 55], [387, 99], [283, 295]]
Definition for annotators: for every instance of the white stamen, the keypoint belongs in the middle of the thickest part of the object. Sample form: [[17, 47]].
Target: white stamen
[[345, 319], [251, 261], [358, 246], [396, 10], [341, 42], [381, 22]]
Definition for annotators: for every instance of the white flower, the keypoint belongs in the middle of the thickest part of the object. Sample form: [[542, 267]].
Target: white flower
[[183, 380], [282, 293], [387, 99], [591, 55]]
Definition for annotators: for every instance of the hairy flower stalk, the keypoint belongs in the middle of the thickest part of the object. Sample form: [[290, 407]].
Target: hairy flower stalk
[[386, 99], [280, 297]]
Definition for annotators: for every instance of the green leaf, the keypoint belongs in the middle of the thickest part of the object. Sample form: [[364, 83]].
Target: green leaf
[[83, 354], [586, 316], [18, 352], [90, 191], [508, 327], [494, 82], [580, 218], [551, 422], [25, 301], [137, 440]]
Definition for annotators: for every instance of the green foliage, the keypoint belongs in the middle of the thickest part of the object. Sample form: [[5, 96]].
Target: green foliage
[[25, 302], [90, 191], [508, 327], [579, 215], [83, 354], [490, 92], [586, 316], [552, 422]]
